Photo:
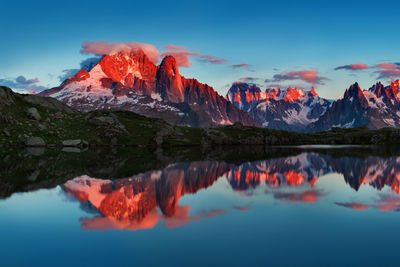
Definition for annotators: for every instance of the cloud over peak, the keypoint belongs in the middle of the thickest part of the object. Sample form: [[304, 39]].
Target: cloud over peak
[[308, 76], [249, 79], [101, 48], [182, 54]]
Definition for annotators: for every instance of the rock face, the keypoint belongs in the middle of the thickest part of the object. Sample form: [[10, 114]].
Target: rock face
[[292, 109], [375, 108], [6, 96], [129, 80]]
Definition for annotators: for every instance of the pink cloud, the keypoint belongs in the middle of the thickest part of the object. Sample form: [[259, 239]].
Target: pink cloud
[[181, 53], [308, 76], [23, 85], [241, 65], [175, 47], [387, 66], [182, 56], [388, 70], [388, 73], [355, 66], [248, 79], [105, 48]]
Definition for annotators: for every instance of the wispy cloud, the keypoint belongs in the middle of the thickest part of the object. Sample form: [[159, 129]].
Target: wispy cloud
[[308, 76], [355, 66], [23, 85], [241, 65], [249, 79], [384, 70], [388, 70], [100, 48], [182, 56]]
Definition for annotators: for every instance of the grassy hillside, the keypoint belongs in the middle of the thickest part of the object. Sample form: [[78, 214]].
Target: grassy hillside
[[34, 120]]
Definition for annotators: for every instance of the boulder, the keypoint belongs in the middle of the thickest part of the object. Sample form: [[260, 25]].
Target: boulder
[[32, 113], [75, 142], [42, 127], [102, 120], [58, 115], [35, 141]]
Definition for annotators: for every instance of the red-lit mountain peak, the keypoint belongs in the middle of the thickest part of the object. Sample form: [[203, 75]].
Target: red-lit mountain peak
[[313, 92], [123, 67], [129, 80], [169, 81], [293, 93]]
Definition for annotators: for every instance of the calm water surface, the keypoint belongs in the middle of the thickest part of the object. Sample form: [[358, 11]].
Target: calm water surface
[[278, 207]]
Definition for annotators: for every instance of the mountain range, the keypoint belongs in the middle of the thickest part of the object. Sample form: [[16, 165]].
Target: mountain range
[[131, 81], [292, 109]]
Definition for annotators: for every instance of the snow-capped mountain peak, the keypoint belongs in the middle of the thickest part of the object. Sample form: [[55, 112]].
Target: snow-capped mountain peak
[[130, 80], [377, 107], [288, 109]]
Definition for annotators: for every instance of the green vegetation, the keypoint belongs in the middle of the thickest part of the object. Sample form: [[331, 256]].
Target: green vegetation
[[40, 121]]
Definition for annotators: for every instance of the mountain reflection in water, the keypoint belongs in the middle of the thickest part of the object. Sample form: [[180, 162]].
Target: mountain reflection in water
[[143, 200]]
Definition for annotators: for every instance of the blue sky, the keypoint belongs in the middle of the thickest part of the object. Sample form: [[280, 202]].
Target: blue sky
[[40, 39]]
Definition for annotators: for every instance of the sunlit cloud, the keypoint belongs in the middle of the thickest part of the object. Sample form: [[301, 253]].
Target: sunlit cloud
[[308, 76], [249, 79], [388, 70], [242, 65], [388, 65], [182, 56], [175, 47], [388, 74], [384, 70], [101, 48], [355, 66], [23, 85]]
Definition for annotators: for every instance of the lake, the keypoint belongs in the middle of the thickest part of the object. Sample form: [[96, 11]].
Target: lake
[[302, 206]]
